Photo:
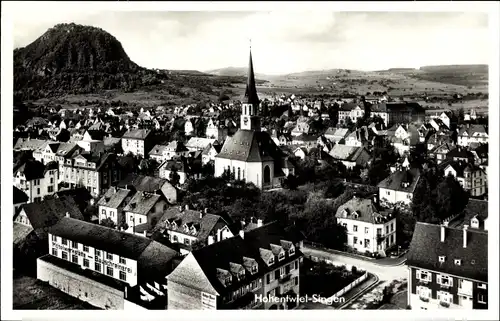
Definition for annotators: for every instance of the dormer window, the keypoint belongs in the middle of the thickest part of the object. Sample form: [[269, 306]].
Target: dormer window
[[474, 223], [281, 256], [255, 268], [442, 259], [458, 262], [271, 261], [291, 252], [228, 281], [241, 275]]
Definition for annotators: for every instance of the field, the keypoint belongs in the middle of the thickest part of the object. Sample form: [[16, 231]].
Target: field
[[32, 294]]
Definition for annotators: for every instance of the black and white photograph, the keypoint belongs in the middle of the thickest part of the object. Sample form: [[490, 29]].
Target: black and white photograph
[[250, 159]]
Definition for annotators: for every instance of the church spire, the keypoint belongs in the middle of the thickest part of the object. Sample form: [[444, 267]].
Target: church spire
[[251, 92]]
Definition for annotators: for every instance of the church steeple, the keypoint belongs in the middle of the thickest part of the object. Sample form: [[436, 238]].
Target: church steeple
[[251, 92], [250, 103]]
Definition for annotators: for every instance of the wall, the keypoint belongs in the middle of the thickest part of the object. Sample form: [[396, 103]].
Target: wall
[[80, 287], [131, 306]]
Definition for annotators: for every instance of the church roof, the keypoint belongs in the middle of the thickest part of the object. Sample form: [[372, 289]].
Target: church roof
[[250, 146], [251, 92]]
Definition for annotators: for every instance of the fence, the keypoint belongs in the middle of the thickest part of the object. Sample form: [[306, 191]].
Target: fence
[[350, 286]]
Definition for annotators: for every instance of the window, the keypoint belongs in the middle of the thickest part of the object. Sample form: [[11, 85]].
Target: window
[[296, 265], [423, 276], [268, 278], [97, 267], [123, 260], [458, 262], [64, 241], [123, 276], [103, 212], [355, 228], [109, 256], [423, 292], [64, 255], [481, 286], [175, 238], [109, 270], [367, 243], [271, 261], [74, 259], [86, 263], [444, 280], [442, 259], [481, 298], [354, 240], [74, 244], [281, 256], [291, 251], [54, 238], [38, 191], [97, 253], [282, 271], [379, 230], [392, 227], [388, 193], [254, 268], [50, 189], [445, 297], [85, 248], [54, 252], [367, 230]]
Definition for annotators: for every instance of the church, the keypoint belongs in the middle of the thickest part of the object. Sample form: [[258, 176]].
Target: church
[[251, 154]]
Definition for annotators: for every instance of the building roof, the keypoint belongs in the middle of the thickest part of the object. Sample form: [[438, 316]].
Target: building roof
[[397, 106], [346, 153], [114, 197], [250, 146], [364, 210], [157, 150], [204, 223], [460, 152], [337, 132], [176, 146], [20, 232], [199, 142], [142, 183], [426, 248], [460, 167], [44, 214], [111, 141], [149, 254], [397, 181], [31, 169], [471, 130], [142, 202], [140, 134], [226, 256], [251, 96], [19, 196]]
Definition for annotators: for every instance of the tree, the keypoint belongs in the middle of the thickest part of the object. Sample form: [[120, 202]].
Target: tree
[[63, 136], [174, 177], [290, 182], [108, 222]]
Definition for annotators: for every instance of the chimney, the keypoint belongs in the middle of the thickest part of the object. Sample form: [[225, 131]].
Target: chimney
[[125, 292], [242, 234], [144, 233], [186, 206], [210, 239], [259, 223], [205, 210], [243, 223], [465, 235], [443, 231], [201, 214], [180, 208]]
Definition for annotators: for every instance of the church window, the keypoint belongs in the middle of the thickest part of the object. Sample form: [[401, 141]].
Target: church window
[[239, 173], [233, 170], [267, 174]]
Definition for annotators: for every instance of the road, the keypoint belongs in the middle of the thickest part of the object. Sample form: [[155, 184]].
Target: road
[[385, 273]]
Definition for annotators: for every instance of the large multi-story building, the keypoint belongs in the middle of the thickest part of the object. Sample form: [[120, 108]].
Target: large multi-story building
[[36, 179], [369, 229], [398, 112], [94, 171], [216, 130], [113, 202], [137, 142], [399, 186], [471, 177], [350, 112], [101, 265], [238, 272], [448, 268], [472, 134]]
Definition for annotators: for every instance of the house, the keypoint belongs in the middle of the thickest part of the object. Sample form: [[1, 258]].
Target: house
[[234, 273], [143, 211], [460, 153], [184, 167], [157, 153], [189, 127], [404, 138], [216, 130], [94, 171], [210, 152], [120, 270], [447, 268], [472, 134], [175, 149], [149, 184], [302, 127], [398, 112], [350, 156], [37, 180], [439, 153], [300, 152], [336, 134], [199, 143], [471, 177], [369, 228], [137, 142], [399, 186], [185, 227], [29, 144], [353, 139], [112, 203], [439, 138], [92, 140], [38, 217], [350, 112], [19, 198], [305, 140], [480, 154], [82, 198]]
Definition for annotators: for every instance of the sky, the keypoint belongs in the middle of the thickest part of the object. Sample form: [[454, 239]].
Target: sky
[[282, 41]]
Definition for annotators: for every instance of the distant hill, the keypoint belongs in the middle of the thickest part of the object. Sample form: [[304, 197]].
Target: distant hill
[[235, 72]]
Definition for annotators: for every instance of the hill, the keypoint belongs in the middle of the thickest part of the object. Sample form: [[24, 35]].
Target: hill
[[236, 72]]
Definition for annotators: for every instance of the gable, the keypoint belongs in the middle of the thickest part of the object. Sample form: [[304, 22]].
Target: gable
[[190, 274]]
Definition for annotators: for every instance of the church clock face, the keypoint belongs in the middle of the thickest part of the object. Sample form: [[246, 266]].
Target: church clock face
[[245, 120]]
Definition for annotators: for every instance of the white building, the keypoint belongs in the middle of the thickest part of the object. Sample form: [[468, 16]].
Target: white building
[[472, 134], [398, 188], [137, 142], [112, 203], [36, 179], [369, 229], [471, 177]]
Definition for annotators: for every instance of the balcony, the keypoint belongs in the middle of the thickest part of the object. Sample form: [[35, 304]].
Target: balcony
[[285, 278]]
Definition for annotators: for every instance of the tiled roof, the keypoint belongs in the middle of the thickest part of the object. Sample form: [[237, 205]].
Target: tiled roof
[[44, 214], [426, 247], [19, 196], [459, 152], [110, 141], [142, 202], [204, 222], [142, 183], [346, 153], [395, 181], [29, 144], [114, 197], [250, 146], [137, 134], [217, 257], [199, 142], [31, 169], [397, 106], [176, 146], [362, 209], [158, 150], [20, 232], [475, 128], [149, 254]]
